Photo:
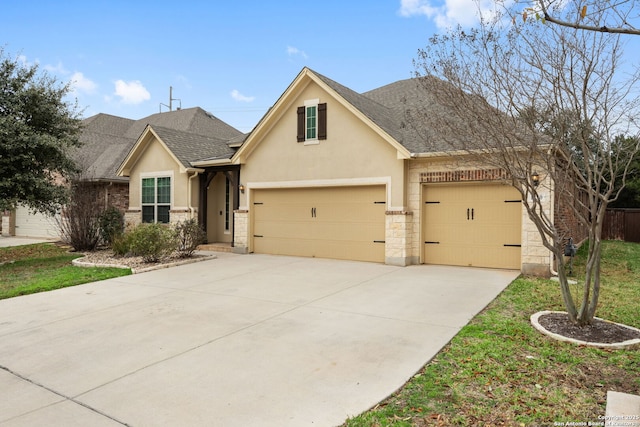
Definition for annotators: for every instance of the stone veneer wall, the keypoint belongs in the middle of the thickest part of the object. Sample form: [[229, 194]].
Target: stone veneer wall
[[241, 231], [398, 238], [6, 226], [132, 218]]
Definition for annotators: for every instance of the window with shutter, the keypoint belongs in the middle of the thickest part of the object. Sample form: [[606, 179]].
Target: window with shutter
[[312, 122]]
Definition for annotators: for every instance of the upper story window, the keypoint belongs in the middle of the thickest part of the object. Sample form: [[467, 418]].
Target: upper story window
[[156, 199], [312, 122]]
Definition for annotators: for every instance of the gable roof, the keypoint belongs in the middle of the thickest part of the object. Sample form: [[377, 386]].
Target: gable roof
[[107, 140], [405, 113], [377, 116]]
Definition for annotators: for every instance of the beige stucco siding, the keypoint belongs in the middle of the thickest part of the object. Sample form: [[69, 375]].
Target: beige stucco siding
[[352, 154], [155, 160]]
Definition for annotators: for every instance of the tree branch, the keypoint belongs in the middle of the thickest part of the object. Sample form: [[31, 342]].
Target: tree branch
[[603, 29]]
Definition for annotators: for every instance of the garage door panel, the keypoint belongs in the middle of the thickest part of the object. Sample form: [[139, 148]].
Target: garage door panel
[[328, 222], [283, 246], [472, 223]]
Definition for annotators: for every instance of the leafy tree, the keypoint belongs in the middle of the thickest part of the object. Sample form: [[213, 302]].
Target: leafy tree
[[38, 129], [540, 101]]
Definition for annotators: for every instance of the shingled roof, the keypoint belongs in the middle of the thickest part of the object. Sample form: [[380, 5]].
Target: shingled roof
[[189, 147], [406, 111], [108, 139]]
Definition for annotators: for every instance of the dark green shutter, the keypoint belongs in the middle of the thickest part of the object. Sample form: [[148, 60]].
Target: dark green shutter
[[301, 124], [322, 121]]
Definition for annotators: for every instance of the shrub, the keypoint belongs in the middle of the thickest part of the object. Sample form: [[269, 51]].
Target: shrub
[[121, 244], [79, 220], [111, 224], [189, 235], [151, 241]]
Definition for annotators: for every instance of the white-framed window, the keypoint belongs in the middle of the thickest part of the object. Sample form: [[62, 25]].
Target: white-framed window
[[156, 199], [312, 122]]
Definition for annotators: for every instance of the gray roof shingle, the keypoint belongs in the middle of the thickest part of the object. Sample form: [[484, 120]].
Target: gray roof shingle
[[189, 147], [108, 139]]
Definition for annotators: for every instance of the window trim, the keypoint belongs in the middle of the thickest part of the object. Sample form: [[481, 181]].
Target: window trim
[[155, 176], [311, 103]]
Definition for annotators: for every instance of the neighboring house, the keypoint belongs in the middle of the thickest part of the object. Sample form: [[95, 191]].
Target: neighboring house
[[332, 173], [168, 184], [107, 140]]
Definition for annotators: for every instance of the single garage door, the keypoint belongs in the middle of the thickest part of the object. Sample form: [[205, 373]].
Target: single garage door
[[35, 225], [476, 225], [327, 222]]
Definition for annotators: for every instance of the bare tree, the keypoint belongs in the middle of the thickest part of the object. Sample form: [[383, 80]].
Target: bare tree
[[545, 104], [609, 16]]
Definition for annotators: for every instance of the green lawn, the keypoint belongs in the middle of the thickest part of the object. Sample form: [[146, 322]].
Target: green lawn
[[500, 371], [43, 267]]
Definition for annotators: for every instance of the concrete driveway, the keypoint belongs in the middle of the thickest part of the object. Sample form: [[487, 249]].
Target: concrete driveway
[[5, 241], [236, 341]]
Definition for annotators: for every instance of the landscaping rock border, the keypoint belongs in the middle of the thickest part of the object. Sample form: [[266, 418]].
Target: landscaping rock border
[[619, 345], [79, 262]]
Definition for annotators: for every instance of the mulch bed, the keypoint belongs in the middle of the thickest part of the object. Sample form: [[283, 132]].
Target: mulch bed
[[599, 331]]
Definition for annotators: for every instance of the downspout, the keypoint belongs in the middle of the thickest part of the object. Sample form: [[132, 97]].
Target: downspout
[[106, 194], [189, 206]]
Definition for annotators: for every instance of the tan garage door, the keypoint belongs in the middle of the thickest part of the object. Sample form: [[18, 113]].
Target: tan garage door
[[331, 222], [472, 225]]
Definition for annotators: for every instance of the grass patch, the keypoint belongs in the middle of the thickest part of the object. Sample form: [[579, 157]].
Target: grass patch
[[500, 371], [43, 267]]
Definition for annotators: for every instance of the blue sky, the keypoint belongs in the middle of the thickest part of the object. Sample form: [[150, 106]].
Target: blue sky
[[232, 58]]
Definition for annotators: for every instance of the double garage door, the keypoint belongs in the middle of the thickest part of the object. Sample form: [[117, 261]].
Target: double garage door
[[472, 225], [325, 222], [463, 224]]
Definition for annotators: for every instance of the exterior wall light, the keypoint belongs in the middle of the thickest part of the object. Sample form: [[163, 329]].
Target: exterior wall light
[[241, 188], [535, 178]]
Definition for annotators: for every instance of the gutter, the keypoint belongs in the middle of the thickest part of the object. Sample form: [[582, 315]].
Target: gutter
[[212, 162]]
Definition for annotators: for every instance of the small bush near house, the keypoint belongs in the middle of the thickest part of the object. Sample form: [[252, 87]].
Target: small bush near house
[[189, 235], [121, 244], [79, 220], [111, 224], [152, 241]]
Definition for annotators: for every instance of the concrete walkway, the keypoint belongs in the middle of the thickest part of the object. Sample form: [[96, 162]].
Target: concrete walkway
[[19, 241], [252, 340]]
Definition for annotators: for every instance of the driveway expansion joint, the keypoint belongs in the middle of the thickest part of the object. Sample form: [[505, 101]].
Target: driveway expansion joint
[[57, 393]]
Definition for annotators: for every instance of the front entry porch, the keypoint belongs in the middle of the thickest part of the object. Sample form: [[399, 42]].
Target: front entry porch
[[219, 196]]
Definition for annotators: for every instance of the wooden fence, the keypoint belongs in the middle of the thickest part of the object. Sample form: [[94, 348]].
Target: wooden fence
[[622, 224]]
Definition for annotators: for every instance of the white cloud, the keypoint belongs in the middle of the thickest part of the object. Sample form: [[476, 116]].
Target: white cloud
[[449, 13], [80, 83], [294, 51], [56, 69], [132, 92], [240, 97]]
